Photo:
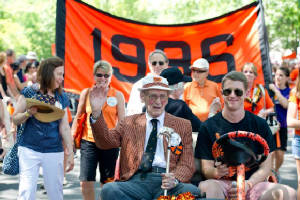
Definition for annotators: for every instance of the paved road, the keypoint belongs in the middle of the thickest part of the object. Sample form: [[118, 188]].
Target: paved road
[[9, 184]]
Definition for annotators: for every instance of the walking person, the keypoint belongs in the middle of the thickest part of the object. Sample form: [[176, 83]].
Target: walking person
[[281, 95], [41, 143], [293, 121], [113, 111]]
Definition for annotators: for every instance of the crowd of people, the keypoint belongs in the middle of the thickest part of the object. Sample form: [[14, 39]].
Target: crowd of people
[[126, 142], [15, 74]]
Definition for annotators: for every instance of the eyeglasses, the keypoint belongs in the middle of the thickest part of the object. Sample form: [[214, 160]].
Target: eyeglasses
[[161, 63], [100, 75], [154, 97], [199, 71], [237, 92]]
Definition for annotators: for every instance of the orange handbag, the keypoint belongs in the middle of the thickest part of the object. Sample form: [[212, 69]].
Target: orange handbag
[[79, 130], [80, 125]]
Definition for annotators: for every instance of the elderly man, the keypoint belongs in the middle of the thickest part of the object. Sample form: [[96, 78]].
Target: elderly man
[[143, 154], [201, 95], [234, 118]]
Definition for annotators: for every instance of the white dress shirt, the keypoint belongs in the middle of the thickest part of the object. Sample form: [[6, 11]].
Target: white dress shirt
[[159, 158]]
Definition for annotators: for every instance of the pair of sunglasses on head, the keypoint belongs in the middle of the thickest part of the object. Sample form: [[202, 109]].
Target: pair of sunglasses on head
[[237, 92]]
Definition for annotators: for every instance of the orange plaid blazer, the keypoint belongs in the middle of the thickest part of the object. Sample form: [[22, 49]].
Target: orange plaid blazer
[[130, 136]]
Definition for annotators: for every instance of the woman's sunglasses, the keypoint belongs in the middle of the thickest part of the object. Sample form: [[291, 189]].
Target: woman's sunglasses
[[237, 92], [159, 63], [100, 75]]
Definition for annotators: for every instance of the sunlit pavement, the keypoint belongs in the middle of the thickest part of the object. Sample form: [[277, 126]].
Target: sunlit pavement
[[288, 171], [9, 184]]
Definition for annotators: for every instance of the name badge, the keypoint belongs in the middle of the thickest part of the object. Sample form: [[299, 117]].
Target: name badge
[[111, 101]]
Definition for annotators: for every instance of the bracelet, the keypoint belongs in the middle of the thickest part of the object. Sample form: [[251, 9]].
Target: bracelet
[[27, 114]]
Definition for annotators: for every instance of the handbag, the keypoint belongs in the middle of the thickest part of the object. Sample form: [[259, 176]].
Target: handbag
[[80, 124], [11, 159], [79, 130], [273, 123]]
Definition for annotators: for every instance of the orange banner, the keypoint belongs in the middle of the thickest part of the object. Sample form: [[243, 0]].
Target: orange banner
[[85, 34]]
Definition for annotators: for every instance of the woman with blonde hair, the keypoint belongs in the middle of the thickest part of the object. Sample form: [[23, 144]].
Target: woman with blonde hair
[[281, 95], [257, 98], [113, 111]]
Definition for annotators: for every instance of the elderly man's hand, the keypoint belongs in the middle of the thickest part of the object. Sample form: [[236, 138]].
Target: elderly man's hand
[[98, 97], [168, 181]]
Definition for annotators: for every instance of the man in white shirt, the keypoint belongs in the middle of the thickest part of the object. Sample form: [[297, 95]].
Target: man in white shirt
[[157, 61]]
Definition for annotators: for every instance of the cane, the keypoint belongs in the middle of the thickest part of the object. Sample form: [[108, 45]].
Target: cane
[[167, 132]]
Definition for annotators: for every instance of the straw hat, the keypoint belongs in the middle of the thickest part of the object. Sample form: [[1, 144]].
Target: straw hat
[[152, 81], [46, 112]]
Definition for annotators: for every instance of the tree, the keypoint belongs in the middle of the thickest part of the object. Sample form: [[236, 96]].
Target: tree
[[29, 29], [283, 22]]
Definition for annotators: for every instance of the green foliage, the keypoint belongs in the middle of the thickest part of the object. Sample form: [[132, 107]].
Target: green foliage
[[283, 22], [29, 25]]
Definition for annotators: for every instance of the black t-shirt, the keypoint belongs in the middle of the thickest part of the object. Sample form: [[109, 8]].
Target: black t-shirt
[[217, 124]]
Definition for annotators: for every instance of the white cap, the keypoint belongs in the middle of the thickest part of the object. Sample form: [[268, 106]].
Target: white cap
[[200, 63], [152, 81], [31, 55]]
